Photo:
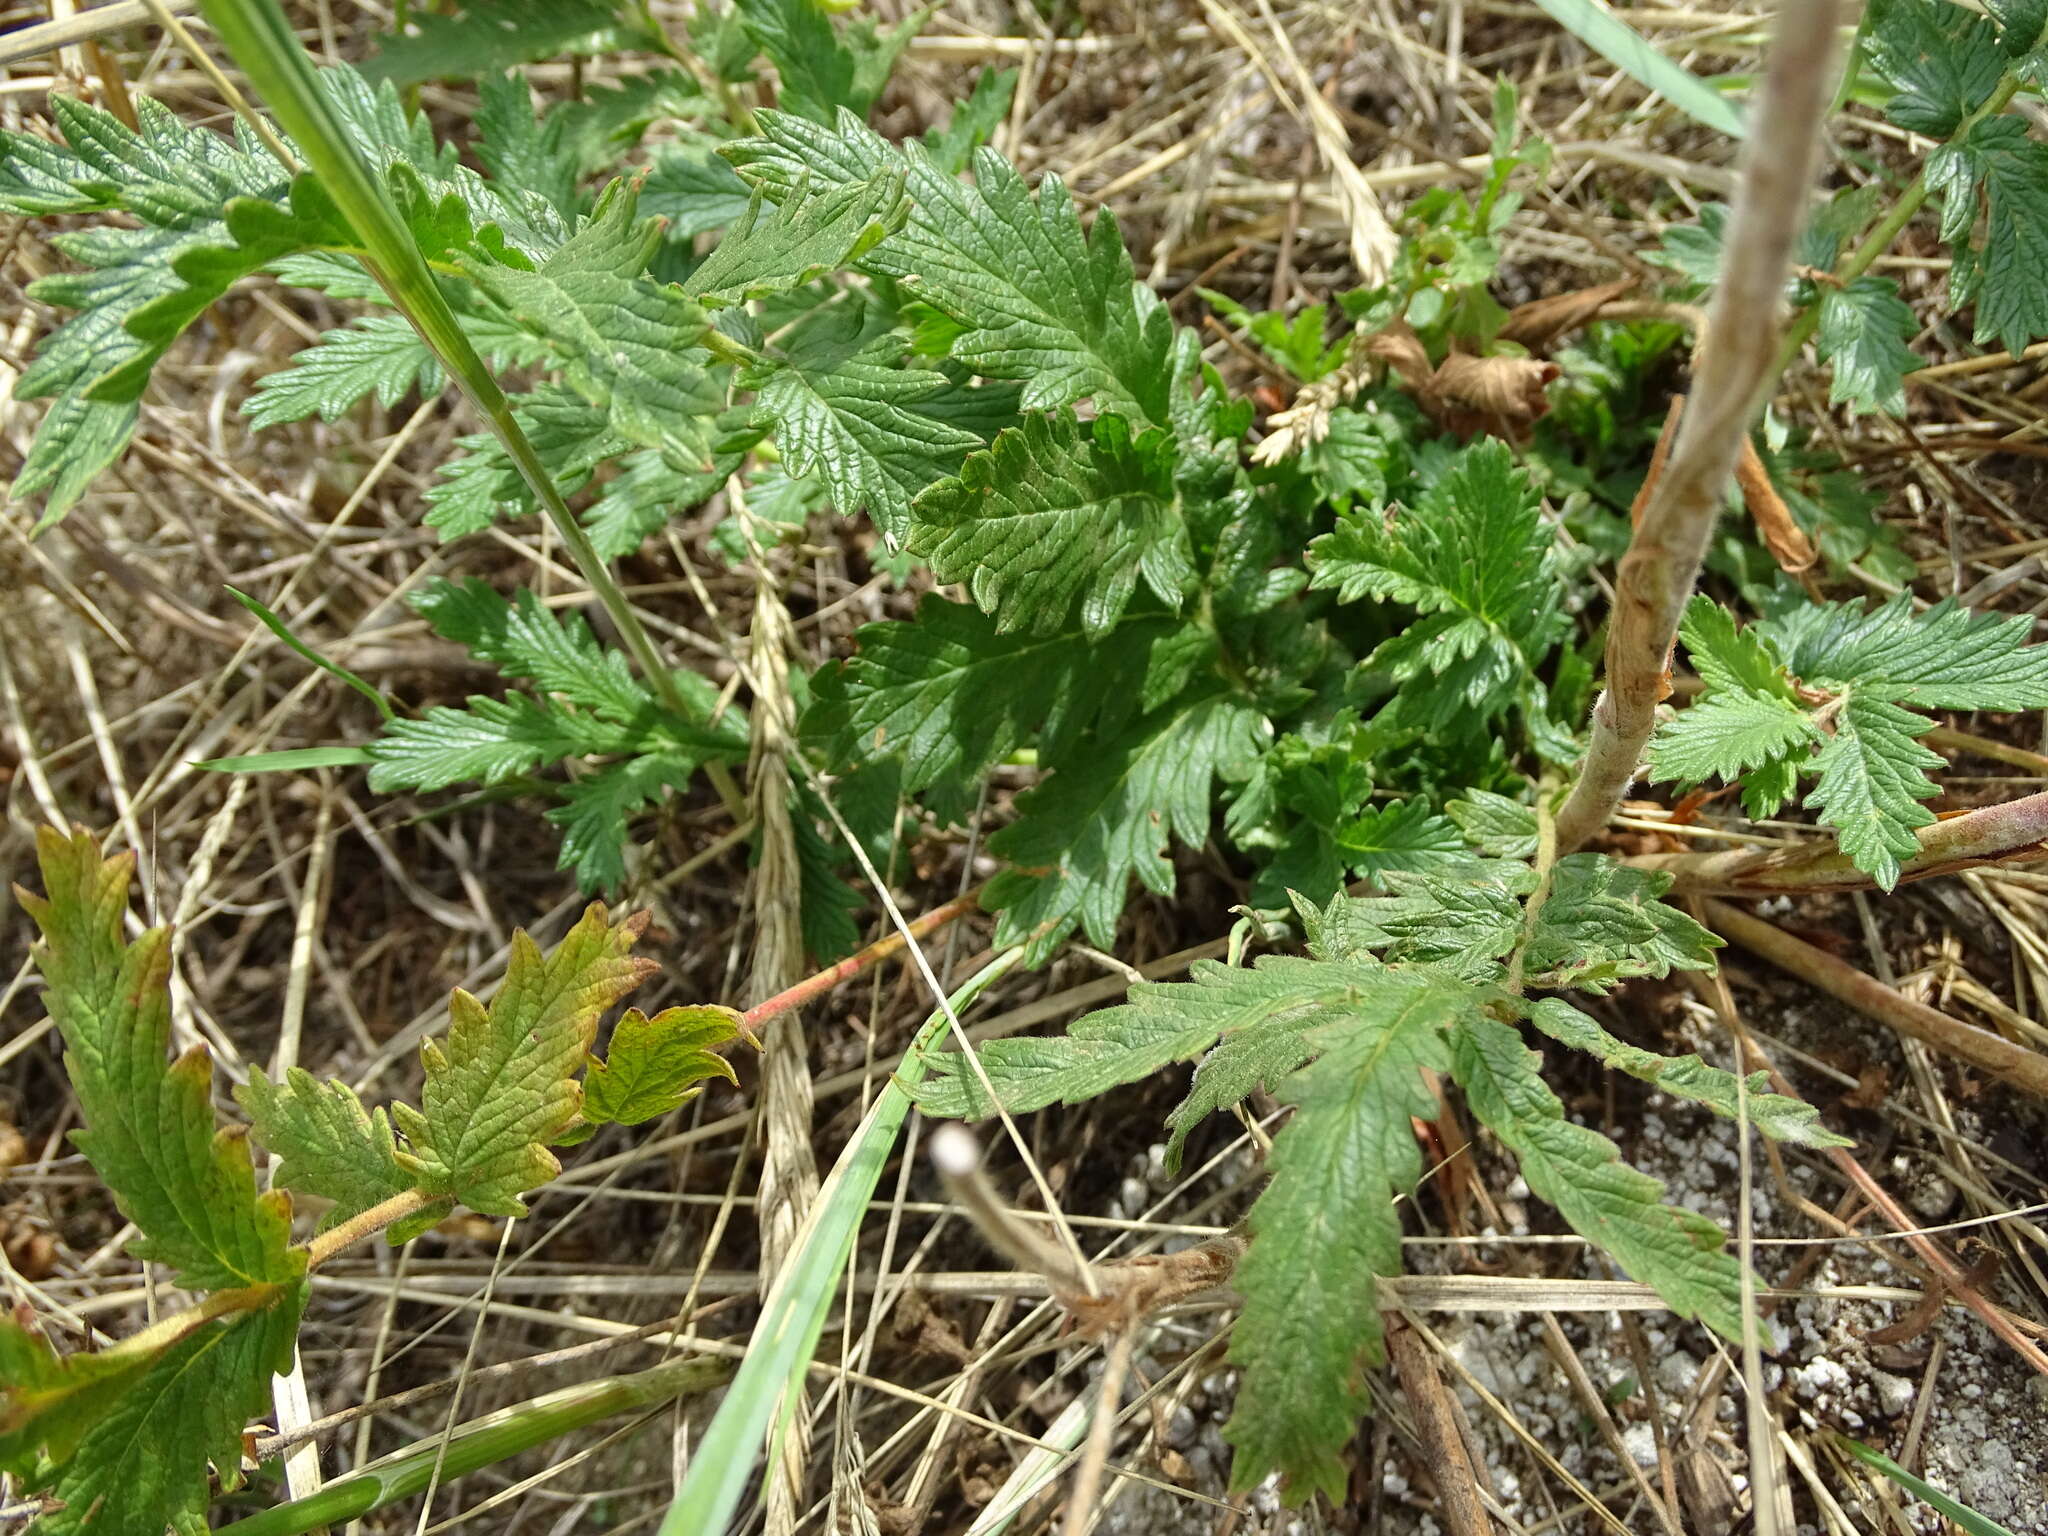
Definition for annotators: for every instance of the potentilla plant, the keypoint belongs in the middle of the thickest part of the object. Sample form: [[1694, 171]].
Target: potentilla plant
[[1358, 658]]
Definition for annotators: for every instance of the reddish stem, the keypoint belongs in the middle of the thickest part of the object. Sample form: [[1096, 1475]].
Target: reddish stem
[[853, 965]]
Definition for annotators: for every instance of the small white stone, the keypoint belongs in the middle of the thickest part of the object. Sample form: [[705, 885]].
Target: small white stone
[[1894, 1393], [1640, 1441]]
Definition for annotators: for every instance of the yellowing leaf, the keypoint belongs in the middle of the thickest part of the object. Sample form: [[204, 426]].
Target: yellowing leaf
[[149, 1127], [654, 1064], [504, 1085]]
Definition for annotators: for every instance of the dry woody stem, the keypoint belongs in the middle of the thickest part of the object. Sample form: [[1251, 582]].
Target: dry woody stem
[[1989, 1053], [2013, 833], [1735, 368]]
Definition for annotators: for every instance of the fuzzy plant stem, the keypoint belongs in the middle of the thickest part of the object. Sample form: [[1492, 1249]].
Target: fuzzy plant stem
[[1734, 370], [262, 42], [2013, 833]]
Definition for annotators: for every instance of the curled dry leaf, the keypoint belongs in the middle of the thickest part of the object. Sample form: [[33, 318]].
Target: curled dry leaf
[[1784, 538], [1507, 389], [1538, 323]]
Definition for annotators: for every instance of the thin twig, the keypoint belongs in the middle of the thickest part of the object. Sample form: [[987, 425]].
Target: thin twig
[[1988, 1053], [1663, 560]]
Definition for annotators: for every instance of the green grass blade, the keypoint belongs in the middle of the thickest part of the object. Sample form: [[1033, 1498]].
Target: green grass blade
[[757, 1405], [481, 1442], [1631, 53], [1920, 1488], [278, 628], [262, 42], [293, 761]]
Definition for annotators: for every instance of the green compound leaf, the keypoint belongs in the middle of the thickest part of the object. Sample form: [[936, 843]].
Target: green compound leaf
[[1580, 1172], [327, 1143], [380, 355], [1864, 327], [807, 237], [596, 812], [1943, 60], [487, 742], [1873, 776], [847, 415], [822, 67], [1603, 922], [1031, 296], [491, 36], [148, 1122], [623, 341], [1999, 169], [1327, 1224], [1475, 560], [521, 638], [1688, 1077], [1059, 510], [1942, 658], [504, 1085], [656, 1065], [1079, 837], [142, 1464], [1724, 735]]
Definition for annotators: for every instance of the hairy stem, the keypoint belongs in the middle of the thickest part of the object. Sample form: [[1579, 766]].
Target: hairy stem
[[261, 41], [1663, 560], [2013, 833]]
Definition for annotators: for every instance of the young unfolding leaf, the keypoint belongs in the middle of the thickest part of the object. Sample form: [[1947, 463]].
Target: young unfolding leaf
[[1327, 1224], [327, 1144], [1580, 1172], [655, 1065], [504, 1085], [148, 1126], [1475, 560], [1603, 922], [1688, 1077], [1055, 511], [803, 239], [1030, 295], [140, 1465]]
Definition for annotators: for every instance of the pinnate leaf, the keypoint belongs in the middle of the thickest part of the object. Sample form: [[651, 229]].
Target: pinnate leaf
[[803, 239], [1864, 326], [1059, 510], [1327, 1224], [489, 741], [1109, 815], [1778, 1116], [1873, 776], [848, 415], [1580, 1172], [1944, 657], [327, 1143], [1031, 296], [380, 355], [148, 1127], [504, 1084]]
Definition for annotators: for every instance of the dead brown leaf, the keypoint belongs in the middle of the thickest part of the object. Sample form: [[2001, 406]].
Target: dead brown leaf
[[1783, 537], [1507, 388], [1538, 323]]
